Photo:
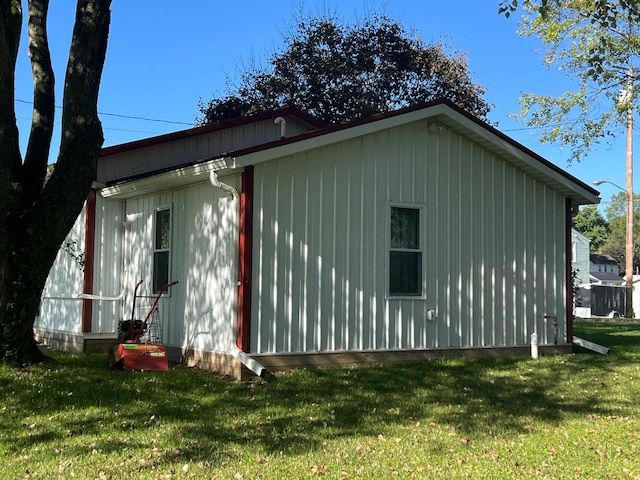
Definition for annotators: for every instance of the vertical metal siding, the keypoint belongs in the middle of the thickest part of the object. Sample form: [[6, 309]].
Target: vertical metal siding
[[200, 311], [109, 271], [189, 149], [65, 278], [493, 244]]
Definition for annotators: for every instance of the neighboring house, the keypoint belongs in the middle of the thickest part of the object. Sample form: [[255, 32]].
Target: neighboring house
[[580, 264], [604, 270], [605, 295], [408, 235], [636, 296]]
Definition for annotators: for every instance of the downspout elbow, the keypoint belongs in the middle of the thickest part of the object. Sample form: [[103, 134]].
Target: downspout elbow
[[213, 178]]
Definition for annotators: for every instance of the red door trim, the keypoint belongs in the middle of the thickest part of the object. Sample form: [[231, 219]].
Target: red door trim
[[89, 253], [245, 256]]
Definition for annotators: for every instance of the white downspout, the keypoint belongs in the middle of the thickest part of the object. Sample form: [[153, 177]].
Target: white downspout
[[213, 178], [246, 360]]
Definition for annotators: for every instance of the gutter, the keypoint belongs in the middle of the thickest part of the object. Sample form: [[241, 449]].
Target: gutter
[[245, 359]]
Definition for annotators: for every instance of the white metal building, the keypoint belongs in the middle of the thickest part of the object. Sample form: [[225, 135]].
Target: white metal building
[[412, 234]]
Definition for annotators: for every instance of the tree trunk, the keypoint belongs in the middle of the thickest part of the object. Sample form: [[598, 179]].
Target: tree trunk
[[36, 217], [20, 299]]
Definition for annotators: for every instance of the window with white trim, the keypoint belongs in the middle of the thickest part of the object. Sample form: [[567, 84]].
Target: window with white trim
[[161, 247], [405, 252]]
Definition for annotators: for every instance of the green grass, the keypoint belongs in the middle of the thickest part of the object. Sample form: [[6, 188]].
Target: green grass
[[556, 417]]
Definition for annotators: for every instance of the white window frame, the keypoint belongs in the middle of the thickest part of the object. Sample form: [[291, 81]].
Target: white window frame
[[156, 250], [421, 249]]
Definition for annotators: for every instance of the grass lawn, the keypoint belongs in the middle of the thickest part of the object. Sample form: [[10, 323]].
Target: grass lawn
[[573, 416]]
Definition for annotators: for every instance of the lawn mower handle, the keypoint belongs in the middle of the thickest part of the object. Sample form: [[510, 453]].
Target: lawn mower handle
[[155, 302]]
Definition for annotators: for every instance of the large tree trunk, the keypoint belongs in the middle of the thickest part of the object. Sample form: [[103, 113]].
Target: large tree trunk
[[36, 216]]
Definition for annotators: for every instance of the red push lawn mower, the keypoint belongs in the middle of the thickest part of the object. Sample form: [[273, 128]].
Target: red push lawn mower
[[140, 343]]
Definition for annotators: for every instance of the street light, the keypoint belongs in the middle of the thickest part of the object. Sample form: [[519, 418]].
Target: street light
[[628, 274]]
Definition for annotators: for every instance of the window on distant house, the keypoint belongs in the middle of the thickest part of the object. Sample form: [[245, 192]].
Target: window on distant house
[[161, 247], [405, 252], [574, 252]]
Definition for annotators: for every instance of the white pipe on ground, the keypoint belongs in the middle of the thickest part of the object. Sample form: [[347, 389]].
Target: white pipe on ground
[[248, 362]]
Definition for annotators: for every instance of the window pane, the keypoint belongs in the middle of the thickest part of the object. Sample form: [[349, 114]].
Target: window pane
[[405, 273], [405, 225], [163, 229], [160, 270]]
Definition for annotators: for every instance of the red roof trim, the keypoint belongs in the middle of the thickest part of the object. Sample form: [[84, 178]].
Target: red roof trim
[[402, 111], [211, 127], [335, 128], [521, 147]]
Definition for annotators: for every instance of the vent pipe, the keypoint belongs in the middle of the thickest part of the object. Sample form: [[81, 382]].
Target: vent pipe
[[283, 126]]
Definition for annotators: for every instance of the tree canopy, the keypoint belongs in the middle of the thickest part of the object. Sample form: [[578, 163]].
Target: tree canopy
[[590, 222], [604, 12], [608, 234], [339, 72], [596, 44], [37, 214], [616, 218]]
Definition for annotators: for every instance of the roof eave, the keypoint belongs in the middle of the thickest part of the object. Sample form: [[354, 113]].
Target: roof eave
[[446, 114], [160, 181]]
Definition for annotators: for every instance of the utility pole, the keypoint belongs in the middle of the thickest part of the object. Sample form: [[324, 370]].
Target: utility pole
[[629, 243]]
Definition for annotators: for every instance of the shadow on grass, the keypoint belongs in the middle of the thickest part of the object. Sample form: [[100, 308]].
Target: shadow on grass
[[196, 416]]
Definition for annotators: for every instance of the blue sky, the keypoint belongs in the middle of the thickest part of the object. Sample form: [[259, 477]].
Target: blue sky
[[163, 59]]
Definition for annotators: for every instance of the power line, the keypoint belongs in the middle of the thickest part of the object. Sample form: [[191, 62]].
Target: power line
[[144, 118], [111, 128], [120, 115]]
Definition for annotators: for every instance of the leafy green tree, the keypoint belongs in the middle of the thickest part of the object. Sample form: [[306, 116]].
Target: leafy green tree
[[616, 217], [339, 72], [596, 43], [590, 222], [37, 215], [617, 207], [601, 11]]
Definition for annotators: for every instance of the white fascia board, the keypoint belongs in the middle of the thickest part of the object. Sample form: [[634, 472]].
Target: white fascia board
[[532, 163], [337, 136], [178, 176], [456, 121]]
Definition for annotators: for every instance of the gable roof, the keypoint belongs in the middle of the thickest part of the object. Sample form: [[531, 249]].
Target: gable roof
[[442, 113], [212, 127], [578, 235], [445, 113], [606, 276], [598, 259]]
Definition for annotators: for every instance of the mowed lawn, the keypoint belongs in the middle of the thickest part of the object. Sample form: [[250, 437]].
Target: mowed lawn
[[572, 416]]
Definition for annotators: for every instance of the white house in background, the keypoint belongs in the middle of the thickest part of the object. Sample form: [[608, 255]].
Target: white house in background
[[580, 264], [604, 270], [408, 235]]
